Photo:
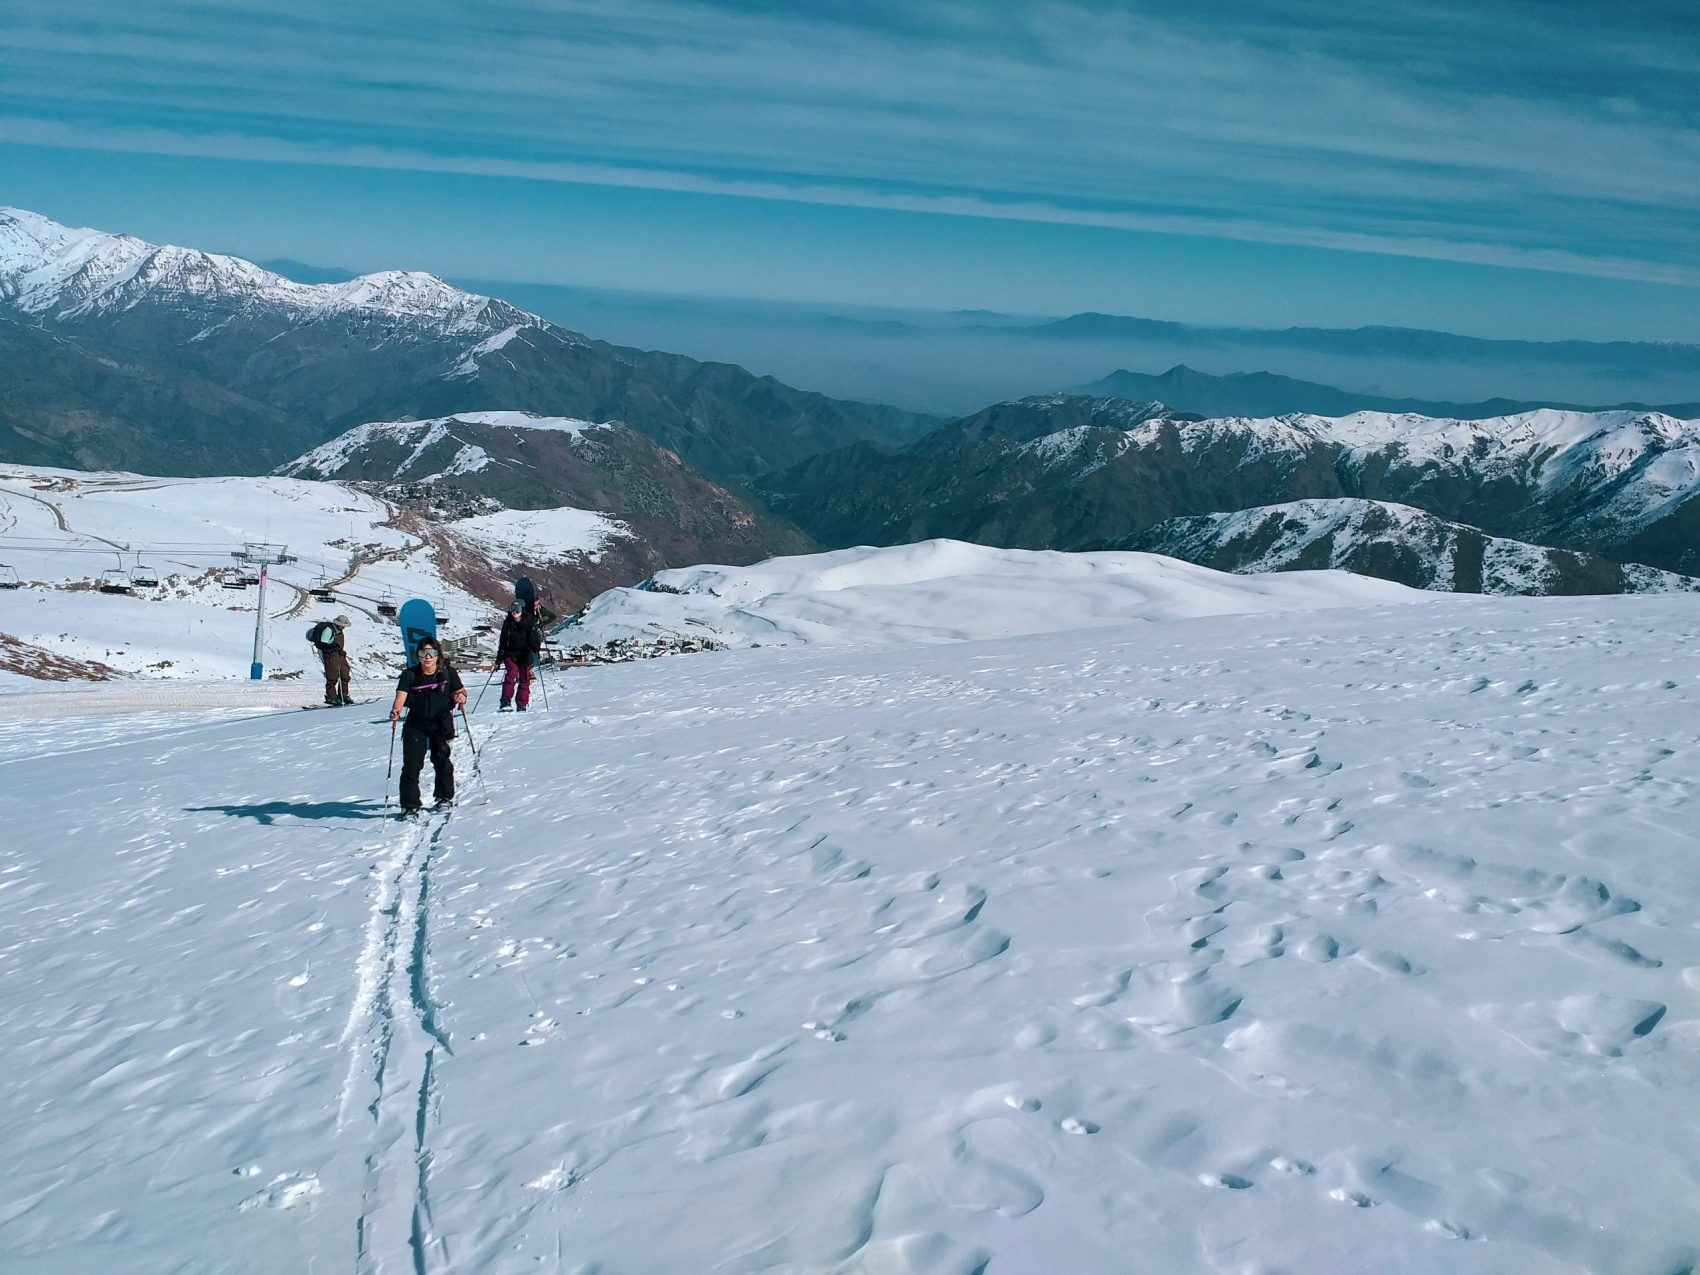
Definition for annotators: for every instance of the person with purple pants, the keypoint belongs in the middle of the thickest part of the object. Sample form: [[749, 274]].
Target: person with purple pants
[[518, 648]]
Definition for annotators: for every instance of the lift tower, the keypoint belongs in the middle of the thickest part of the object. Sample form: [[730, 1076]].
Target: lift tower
[[262, 556]]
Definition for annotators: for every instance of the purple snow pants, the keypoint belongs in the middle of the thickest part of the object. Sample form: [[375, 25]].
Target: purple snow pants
[[516, 673]]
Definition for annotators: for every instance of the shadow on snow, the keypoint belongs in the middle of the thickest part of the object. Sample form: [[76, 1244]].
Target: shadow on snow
[[268, 811]]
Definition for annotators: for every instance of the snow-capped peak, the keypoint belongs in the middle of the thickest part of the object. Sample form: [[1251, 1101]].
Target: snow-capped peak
[[64, 272]]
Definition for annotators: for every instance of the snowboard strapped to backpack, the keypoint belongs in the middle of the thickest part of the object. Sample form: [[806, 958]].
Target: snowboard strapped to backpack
[[322, 635]]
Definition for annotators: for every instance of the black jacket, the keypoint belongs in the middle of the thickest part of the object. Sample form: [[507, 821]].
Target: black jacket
[[521, 639], [430, 703]]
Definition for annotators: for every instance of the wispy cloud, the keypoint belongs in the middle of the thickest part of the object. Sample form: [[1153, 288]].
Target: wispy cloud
[[1498, 135]]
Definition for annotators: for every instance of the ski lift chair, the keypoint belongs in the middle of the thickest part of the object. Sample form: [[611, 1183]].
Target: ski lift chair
[[117, 581], [144, 576], [8, 578], [387, 607], [321, 589]]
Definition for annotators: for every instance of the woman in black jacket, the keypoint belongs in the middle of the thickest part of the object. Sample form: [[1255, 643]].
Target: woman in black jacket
[[518, 647], [430, 691]]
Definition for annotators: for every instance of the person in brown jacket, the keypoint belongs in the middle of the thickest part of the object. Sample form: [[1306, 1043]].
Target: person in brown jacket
[[327, 637]]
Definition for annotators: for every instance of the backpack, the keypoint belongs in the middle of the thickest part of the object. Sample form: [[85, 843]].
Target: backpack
[[323, 634]]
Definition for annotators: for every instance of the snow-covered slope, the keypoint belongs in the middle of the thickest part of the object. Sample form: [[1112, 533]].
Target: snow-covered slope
[[414, 446], [545, 535], [947, 590], [64, 532], [1393, 542], [1347, 941]]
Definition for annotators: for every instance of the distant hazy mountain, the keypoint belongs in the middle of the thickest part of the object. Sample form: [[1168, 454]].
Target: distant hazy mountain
[[301, 272], [1065, 472], [478, 462], [325, 356], [954, 363], [1394, 542], [1654, 357], [1265, 394]]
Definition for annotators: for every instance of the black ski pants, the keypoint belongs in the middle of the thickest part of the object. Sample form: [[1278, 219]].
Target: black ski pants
[[415, 742]]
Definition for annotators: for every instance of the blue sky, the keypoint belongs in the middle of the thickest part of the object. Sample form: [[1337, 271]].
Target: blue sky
[[1525, 168]]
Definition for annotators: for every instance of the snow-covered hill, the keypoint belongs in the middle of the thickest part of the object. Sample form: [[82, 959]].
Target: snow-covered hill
[[947, 591], [1393, 542], [1357, 940], [64, 533], [476, 462], [353, 453]]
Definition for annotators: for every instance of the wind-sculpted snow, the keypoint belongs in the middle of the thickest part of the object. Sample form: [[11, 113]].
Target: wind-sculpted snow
[[1358, 940], [947, 590]]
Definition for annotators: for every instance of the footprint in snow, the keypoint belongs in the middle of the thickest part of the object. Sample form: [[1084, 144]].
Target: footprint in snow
[[287, 1191]]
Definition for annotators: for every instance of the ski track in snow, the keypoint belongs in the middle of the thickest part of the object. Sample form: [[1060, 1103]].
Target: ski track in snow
[[1359, 940], [394, 1035]]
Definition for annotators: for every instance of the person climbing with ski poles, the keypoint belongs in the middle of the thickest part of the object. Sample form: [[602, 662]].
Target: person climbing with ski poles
[[430, 690], [517, 649]]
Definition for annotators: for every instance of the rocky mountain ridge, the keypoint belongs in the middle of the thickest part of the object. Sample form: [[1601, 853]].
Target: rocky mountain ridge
[[319, 358], [1066, 472], [1392, 542]]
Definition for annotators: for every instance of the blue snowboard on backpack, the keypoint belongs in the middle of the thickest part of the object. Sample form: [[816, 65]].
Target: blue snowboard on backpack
[[418, 621]]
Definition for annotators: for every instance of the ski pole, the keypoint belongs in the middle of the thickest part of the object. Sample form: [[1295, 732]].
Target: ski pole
[[390, 771], [477, 761], [481, 691], [542, 683]]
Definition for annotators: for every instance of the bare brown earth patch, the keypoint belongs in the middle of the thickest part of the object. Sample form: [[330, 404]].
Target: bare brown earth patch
[[17, 656]]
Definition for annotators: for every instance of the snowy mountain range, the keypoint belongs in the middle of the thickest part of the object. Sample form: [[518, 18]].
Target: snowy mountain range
[[272, 367], [1392, 542], [1072, 472], [119, 353], [67, 274]]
